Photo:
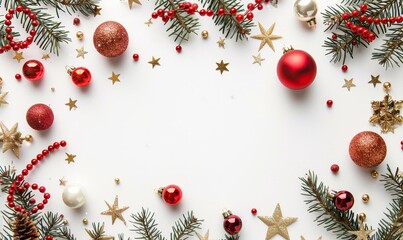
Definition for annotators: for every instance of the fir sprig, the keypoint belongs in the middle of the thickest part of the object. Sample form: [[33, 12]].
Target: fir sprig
[[185, 227], [98, 232], [232, 237]]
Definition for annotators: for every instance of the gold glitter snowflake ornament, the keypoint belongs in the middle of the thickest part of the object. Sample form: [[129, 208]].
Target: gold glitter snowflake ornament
[[386, 113]]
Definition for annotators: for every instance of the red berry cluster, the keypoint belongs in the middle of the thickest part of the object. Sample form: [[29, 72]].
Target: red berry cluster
[[21, 44], [20, 185]]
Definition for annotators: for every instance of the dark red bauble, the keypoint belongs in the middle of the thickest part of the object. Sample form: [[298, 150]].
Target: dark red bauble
[[81, 76], [33, 70], [296, 69], [171, 194], [232, 224], [110, 39], [343, 200], [40, 117]]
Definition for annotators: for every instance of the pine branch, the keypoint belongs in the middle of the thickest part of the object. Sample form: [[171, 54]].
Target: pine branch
[[97, 232], [65, 233], [232, 237], [185, 227], [50, 224], [392, 227], [144, 225], [391, 51], [85, 7], [393, 183]]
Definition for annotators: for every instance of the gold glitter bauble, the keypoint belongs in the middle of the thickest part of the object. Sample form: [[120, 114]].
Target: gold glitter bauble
[[85, 221], [365, 198], [367, 149], [204, 34], [374, 174], [80, 35]]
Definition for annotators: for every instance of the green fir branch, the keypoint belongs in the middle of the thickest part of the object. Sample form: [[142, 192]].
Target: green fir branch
[[185, 227], [98, 232], [391, 228], [390, 54], [65, 233], [50, 224], [145, 226], [232, 237]]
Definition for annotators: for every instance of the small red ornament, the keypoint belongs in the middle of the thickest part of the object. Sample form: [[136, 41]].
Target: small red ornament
[[76, 21], [18, 76], [296, 69], [178, 48], [329, 103], [171, 194], [367, 149], [136, 57], [80, 76], [232, 223], [33, 70], [253, 211], [343, 200], [110, 39], [344, 68], [334, 168], [40, 117]]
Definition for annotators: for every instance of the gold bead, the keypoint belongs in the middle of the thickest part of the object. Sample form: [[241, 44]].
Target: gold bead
[[387, 86], [365, 198], [374, 174], [117, 180], [204, 34], [65, 222], [85, 221], [362, 217], [80, 35], [28, 138]]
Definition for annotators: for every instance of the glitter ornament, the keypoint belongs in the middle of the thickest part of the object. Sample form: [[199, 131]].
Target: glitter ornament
[[232, 223], [74, 196], [343, 200], [40, 116], [110, 39], [367, 149], [80, 76], [33, 70], [171, 194]]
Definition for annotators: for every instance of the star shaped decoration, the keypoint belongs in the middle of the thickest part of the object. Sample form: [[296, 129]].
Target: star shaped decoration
[[97, 11], [71, 104], [70, 158], [18, 56], [155, 62], [266, 37], [258, 59], [205, 237], [133, 1], [2, 96], [221, 66], [277, 224], [45, 56], [386, 113], [11, 139], [95, 236], [62, 182], [114, 211], [149, 22], [302, 238], [374, 80], [81, 52], [221, 42], [114, 78], [362, 234], [348, 84]]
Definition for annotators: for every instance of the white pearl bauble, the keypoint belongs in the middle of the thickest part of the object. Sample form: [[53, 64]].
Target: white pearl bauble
[[306, 11], [74, 196]]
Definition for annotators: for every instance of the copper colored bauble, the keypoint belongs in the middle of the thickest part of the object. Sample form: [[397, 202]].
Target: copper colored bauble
[[296, 69], [33, 70], [110, 39], [343, 200], [232, 223], [171, 194], [40, 117], [367, 149]]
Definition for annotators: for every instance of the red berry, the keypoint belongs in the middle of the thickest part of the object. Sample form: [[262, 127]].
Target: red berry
[[63, 143], [27, 185], [369, 20], [355, 13], [34, 210], [34, 186], [171, 13], [363, 18], [334, 168], [384, 21], [154, 15], [344, 68], [19, 8], [377, 20], [24, 172], [233, 11], [363, 7], [259, 7], [251, 6], [136, 57], [345, 16], [56, 145], [45, 152], [221, 11], [329, 103], [249, 16], [39, 157], [202, 12], [399, 19], [34, 161], [334, 36], [49, 237], [392, 20], [210, 13], [76, 21], [253, 211], [32, 201], [161, 12], [42, 189], [179, 48], [34, 23], [46, 196], [239, 17]]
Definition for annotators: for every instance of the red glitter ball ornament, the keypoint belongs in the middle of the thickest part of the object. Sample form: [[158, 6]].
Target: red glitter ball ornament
[[40, 116], [110, 39], [232, 223], [80, 76], [296, 69], [343, 200], [33, 70], [367, 149], [171, 194]]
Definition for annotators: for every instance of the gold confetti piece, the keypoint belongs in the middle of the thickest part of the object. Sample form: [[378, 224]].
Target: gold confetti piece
[[18, 56], [2, 96], [81, 52], [375, 80], [62, 182], [148, 22], [155, 62], [221, 42], [97, 11], [114, 78], [258, 59], [70, 158], [348, 84], [221, 66], [45, 56], [205, 237], [302, 238], [71, 104], [130, 2], [266, 37], [277, 224], [114, 211]]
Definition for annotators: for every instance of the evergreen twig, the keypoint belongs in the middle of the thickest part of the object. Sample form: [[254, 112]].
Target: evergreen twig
[[185, 227], [145, 226], [232, 237]]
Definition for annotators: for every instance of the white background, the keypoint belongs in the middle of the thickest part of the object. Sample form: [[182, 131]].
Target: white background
[[238, 141]]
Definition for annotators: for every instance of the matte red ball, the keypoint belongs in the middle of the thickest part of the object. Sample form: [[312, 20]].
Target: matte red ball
[[110, 39], [40, 117], [232, 224], [172, 194], [367, 149], [33, 70], [296, 69], [343, 200]]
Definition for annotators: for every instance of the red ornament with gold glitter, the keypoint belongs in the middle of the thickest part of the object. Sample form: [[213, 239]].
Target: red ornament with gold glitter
[[33, 70], [171, 194], [110, 39], [232, 223], [40, 116], [80, 76], [367, 149]]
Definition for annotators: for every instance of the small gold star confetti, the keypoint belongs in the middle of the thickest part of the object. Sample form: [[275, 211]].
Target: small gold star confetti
[[374, 80], [133, 1], [18, 56], [52, 89], [94, 235], [221, 42], [302, 238], [2, 96], [221, 66], [117, 180], [277, 224], [155, 62], [114, 211], [71, 104], [81, 52], [62, 182], [205, 237], [362, 234], [258, 59], [70, 158], [45, 56], [114, 78], [266, 37], [97, 11], [11, 139], [348, 84], [149, 22]]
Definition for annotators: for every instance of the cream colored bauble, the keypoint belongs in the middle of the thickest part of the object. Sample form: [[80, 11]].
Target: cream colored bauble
[[306, 11], [74, 196]]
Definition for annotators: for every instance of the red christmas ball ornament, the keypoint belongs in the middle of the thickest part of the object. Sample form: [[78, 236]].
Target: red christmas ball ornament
[[171, 194], [110, 39], [232, 223], [80, 76], [40, 116], [296, 69], [367, 149], [33, 70], [343, 200]]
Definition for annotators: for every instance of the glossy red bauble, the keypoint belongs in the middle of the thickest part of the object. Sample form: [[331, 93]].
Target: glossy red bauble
[[343, 200], [171, 194], [232, 224], [80, 76], [296, 69], [40, 117], [33, 70]]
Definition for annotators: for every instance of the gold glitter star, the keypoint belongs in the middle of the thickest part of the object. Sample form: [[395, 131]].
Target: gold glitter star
[[266, 37], [133, 1], [149, 22], [11, 139], [374, 80], [45, 56], [71, 104], [277, 224], [348, 84], [221, 42], [2, 96], [114, 78], [155, 62], [62, 182], [18, 56], [221, 66], [362, 234], [205, 237], [70, 158], [97, 11], [94, 235], [81, 52], [115, 211], [258, 59]]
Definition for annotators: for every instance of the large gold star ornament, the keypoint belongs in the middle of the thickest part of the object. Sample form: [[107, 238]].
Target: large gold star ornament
[[114, 211], [71, 104], [362, 234], [277, 224], [11, 139], [221, 66], [18, 56], [133, 1], [348, 84], [266, 37], [155, 61], [114, 78], [70, 158], [374, 80]]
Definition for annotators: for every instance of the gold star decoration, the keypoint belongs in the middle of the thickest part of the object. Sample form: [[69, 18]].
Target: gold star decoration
[[70, 158], [277, 224], [81, 52], [348, 84], [155, 62], [362, 234], [133, 1], [114, 78], [95, 235], [11, 139], [114, 211], [258, 59], [205, 237], [302, 238], [221, 66], [45, 56], [71, 104], [149, 22], [62, 182], [2, 95], [18, 56], [97, 11], [374, 80], [221, 42], [266, 37]]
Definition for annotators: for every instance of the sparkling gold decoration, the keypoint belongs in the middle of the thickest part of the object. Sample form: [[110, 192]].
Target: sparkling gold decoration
[[362, 234], [28, 138], [62, 182], [266, 37], [277, 224], [365, 198], [117, 180], [205, 237], [114, 211], [302, 238], [71, 104], [2, 95], [386, 113], [114, 78], [155, 62], [45, 56], [204, 34], [101, 230], [221, 66], [85, 221], [149, 22], [130, 2], [374, 80], [65, 222], [374, 174], [221, 42], [11, 139], [18, 56], [97, 11], [362, 216], [258, 59], [70, 158], [348, 84], [81, 52], [80, 35]]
